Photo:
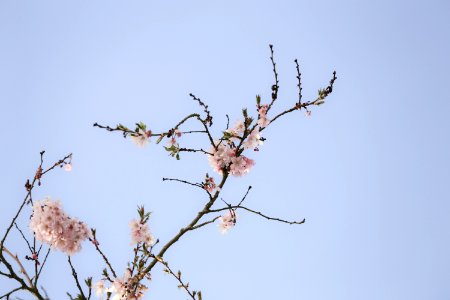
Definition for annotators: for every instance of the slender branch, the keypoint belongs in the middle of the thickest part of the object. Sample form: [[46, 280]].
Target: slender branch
[[97, 247], [276, 86], [194, 150], [177, 276], [23, 236], [299, 85], [245, 196], [22, 269], [204, 223], [75, 276], [208, 118], [257, 213], [7, 295], [194, 222], [184, 181], [42, 266]]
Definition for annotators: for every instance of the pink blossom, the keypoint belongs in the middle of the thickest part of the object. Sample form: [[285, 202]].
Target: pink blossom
[[263, 121], [125, 288], [171, 142], [177, 133], [253, 140], [100, 288], [51, 225], [237, 130], [227, 221], [308, 113], [141, 138], [225, 156], [241, 165], [68, 167], [221, 157], [209, 185], [140, 233]]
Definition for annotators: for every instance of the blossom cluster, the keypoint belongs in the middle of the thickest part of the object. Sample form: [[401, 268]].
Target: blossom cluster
[[125, 288], [51, 225], [140, 233], [227, 221], [225, 156]]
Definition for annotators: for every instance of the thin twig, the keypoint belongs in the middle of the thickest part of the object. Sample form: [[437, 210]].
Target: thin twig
[[22, 269], [258, 213], [183, 181], [42, 266], [75, 276], [245, 196], [177, 276], [204, 223], [194, 150], [24, 238], [299, 85], [7, 295], [103, 256], [208, 118], [276, 86]]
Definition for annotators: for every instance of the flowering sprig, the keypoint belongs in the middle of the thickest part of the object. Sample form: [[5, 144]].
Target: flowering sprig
[[227, 155], [24, 280]]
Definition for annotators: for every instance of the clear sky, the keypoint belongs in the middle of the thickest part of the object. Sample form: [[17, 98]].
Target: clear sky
[[369, 170]]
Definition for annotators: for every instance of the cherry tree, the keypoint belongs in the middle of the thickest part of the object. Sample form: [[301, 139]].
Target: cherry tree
[[50, 228]]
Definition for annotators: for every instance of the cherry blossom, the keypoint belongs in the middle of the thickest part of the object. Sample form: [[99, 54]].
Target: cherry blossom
[[209, 185], [51, 225], [225, 156], [141, 138], [253, 140], [227, 221], [236, 131], [68, 167], [263, 121], [125, 288], [100, 288], [140, 233], [241, 165]]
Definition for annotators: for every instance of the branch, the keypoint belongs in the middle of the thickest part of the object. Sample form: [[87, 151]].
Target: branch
[[184, 181], [42, 266], [208, 118], [23, 236], [194, 150], [11, 292], [245, 196], [194, 222], [22, 269], [95, 242], [257, 213], [204, 223], [75, 276], [177, 276], [299, 85], [275, 87]]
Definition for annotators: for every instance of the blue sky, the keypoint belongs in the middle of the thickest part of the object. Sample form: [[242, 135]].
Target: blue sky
[[369, 170]]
